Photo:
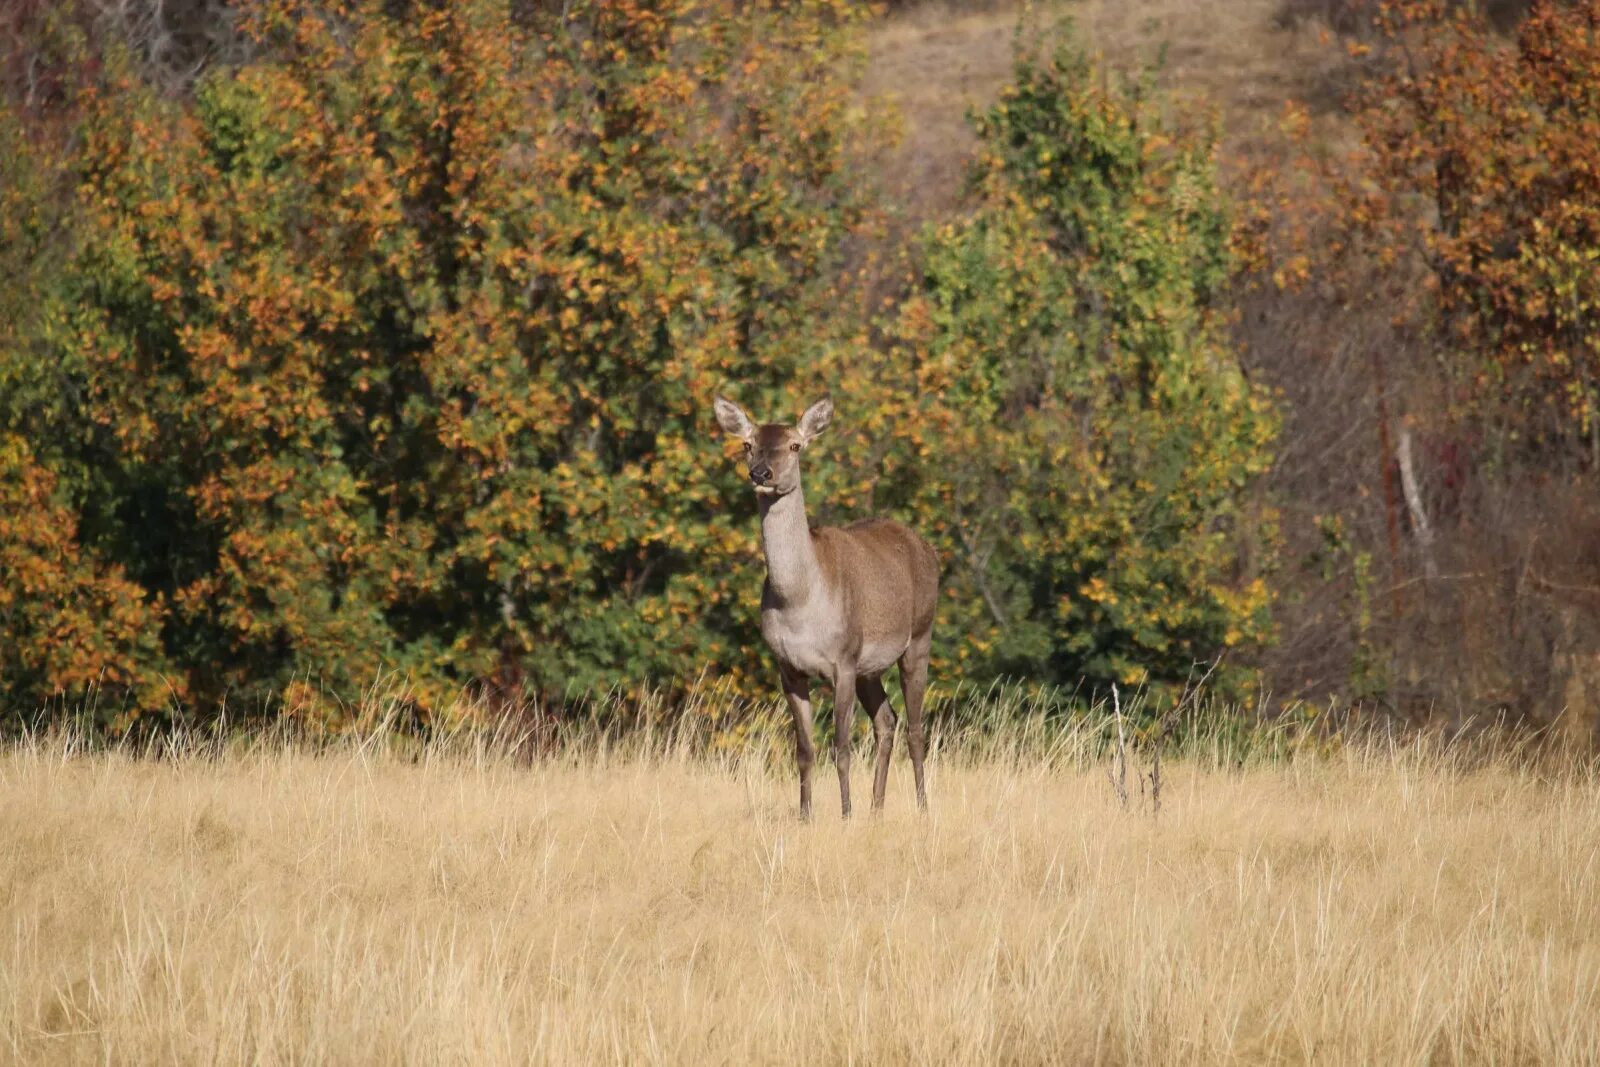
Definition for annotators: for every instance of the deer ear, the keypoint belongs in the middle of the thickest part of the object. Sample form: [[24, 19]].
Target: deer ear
[[731, 417], [816, 418]]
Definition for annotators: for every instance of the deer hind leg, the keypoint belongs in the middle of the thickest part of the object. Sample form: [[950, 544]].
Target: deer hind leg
[[797, 690], [844, 706], [914, 680], [876, 704]]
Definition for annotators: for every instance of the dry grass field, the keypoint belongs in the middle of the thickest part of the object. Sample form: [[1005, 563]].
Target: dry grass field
[[643, 904]]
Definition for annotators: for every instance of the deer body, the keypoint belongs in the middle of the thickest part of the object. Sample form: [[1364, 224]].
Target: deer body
[[840, 604], [822, 621]]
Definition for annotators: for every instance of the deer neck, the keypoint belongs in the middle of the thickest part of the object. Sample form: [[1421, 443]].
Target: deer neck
[[792, 571]]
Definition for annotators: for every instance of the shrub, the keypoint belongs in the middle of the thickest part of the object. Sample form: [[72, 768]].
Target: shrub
[[393, 342], [1098, 443]]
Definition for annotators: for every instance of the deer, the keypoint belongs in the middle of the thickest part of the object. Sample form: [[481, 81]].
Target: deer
[[840, 604]]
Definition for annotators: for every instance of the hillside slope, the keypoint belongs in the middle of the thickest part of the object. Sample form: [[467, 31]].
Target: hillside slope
[[933, 62]]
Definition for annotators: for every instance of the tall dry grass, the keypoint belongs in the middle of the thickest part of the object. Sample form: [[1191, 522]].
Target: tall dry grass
[[649, 900]]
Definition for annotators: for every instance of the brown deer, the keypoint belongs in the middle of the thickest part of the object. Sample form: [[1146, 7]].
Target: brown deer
[[841, 604]]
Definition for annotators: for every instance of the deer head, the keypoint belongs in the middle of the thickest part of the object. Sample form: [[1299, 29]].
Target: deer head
[[772, 452]]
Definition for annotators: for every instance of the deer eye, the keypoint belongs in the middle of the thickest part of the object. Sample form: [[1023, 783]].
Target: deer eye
[[747, 447], [794, 448]]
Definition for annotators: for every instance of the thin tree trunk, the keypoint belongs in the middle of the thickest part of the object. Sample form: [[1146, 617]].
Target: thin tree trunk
[[1419, 515]]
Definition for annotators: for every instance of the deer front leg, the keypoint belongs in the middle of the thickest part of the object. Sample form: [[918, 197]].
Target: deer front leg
[[797, 690], [844, 706]]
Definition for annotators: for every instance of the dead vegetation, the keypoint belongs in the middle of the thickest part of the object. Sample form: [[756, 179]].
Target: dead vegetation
[[365, 903]]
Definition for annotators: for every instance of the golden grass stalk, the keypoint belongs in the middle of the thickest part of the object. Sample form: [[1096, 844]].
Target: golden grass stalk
[[648, 898]]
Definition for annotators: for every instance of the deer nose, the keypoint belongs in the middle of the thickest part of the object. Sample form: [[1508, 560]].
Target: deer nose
[[760, 475]]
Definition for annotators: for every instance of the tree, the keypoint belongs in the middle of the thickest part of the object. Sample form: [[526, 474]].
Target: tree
[[1484, 159], [393, 341], [1098, 444]]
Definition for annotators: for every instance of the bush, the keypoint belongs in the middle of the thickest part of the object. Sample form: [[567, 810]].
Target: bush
[[1097, 444], [393, 342]]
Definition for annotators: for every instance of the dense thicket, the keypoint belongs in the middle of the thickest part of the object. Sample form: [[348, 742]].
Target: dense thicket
[[389, 348], [1434, 329], [386, 345]]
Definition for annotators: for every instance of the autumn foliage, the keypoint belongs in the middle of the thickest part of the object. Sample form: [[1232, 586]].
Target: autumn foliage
[[394, 347], [388, 348], [1431, 320], [1471, 198], [1498, 137]]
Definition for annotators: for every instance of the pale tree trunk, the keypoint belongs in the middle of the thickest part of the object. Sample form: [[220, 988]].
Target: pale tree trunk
[[1413, 495]]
